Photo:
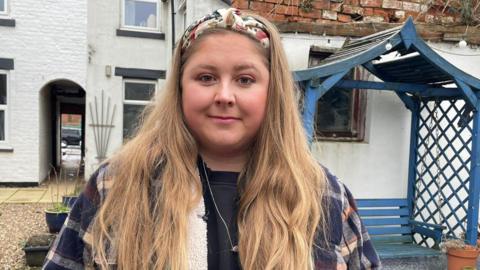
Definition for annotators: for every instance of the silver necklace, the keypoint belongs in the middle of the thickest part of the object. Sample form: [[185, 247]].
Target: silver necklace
[[234, 247]]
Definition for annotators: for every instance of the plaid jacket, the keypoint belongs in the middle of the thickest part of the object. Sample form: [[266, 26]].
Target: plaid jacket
[[349, 246]]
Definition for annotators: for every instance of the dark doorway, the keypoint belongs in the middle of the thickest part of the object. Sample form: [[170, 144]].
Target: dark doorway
[[62, 112]]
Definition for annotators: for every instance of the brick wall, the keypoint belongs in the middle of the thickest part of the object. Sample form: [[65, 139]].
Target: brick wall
[[344, 11]]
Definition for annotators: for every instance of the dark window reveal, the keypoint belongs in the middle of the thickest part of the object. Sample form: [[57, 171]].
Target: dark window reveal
[[137, 95], [3, 106], [340, 112]]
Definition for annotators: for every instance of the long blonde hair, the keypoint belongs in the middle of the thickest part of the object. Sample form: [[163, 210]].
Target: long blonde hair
[[281, 188]]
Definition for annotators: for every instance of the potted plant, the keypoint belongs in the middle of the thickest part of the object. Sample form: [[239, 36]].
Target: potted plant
[[36, 248], [460, 255], [56, 215]]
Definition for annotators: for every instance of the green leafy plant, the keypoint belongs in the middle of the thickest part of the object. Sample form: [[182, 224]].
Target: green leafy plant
[[59, 208]]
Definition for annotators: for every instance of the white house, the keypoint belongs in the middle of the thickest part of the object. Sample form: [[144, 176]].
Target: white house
[[121, 49], [43, 70]]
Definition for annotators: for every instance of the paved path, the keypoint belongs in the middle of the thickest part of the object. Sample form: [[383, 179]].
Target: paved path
[[48, 192]]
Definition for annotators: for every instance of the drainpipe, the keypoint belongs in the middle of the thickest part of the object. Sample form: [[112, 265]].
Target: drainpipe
[[173, 24]]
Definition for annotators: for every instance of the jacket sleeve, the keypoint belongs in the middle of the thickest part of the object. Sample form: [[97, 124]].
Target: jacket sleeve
[[349, 246], [69, 249]]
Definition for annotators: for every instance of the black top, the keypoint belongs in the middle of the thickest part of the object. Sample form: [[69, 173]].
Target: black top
[[225, 195]]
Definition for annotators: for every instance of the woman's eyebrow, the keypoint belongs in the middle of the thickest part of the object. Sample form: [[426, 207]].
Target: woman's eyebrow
[[245, 66], [236, 68], [207, 66]]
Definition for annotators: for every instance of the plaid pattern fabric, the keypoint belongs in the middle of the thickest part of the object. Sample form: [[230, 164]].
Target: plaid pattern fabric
[[347, 247]]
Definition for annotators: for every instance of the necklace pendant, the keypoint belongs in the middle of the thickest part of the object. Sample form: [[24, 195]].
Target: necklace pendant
[[235, 248]]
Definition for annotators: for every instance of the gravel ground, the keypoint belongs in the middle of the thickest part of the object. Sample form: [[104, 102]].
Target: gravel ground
[[17, 223]]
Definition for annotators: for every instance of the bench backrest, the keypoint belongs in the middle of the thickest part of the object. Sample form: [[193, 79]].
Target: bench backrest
[[386, 220]]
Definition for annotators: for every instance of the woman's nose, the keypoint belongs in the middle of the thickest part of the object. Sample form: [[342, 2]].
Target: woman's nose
[[225, 95]]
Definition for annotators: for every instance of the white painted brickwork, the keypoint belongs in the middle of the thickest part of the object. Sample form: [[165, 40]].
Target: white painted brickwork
[[106, 48], [48, 43]]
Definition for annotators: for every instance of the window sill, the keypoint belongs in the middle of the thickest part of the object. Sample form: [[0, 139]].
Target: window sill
[[6, 149], [7, 22], [140, 34]]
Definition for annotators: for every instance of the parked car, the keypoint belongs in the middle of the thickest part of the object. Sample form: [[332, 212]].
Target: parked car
[[71, 136]]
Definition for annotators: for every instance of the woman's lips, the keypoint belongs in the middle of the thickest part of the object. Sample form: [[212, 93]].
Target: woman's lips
[[224, 119]]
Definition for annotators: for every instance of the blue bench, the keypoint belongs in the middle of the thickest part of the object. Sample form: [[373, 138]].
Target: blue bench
[[391, 228]]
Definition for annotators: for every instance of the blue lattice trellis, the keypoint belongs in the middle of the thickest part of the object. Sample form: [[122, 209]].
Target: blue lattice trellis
[[444, 157], [442, 180]]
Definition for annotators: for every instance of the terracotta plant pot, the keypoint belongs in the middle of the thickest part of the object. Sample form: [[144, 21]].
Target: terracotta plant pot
[[458, 258]]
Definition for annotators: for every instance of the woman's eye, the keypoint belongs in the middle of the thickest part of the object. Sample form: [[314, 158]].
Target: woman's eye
[[246, 80], [206, 78]]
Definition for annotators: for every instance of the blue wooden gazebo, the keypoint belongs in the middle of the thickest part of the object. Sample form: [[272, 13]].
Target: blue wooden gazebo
[[444, 158]]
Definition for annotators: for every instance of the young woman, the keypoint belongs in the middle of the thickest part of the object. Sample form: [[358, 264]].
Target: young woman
[[219, 175]]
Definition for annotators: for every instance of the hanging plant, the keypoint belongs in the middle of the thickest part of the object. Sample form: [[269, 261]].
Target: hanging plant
[[306, 5]]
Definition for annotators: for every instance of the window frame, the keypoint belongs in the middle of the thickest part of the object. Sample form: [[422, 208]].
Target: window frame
[[134, 102], [5, 6], [356, 131], [4, 108], [358, 105], [157, 29]]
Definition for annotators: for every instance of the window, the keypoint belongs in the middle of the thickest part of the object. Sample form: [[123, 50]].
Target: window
[[3, 107], [137, 94], [340, 112], [141, 14], [181, 18], [3, 6]]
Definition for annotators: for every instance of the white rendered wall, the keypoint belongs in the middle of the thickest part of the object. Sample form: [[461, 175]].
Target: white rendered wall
[[108, 49], [47, 43], [378, 167], [197, 9]]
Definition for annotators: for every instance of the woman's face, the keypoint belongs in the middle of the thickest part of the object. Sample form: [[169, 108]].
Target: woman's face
[[224, 92]]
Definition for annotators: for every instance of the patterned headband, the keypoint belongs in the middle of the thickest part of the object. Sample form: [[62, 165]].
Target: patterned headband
[[229, 19]]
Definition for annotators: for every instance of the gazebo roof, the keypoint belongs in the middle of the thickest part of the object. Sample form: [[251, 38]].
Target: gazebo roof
[[416, 69]]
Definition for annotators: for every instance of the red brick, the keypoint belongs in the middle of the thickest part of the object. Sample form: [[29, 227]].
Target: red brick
[[291, 2], [261, 7], [316, 14], [336, 7], [371, 3], [287, 10], [352, 2], [240, 4], [381, 12], [368, 11], [352, 10], [344, 18], [329, 15], [321, 4], [393, 4], [409, 6], [274, 1]]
